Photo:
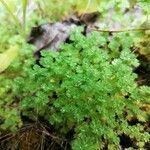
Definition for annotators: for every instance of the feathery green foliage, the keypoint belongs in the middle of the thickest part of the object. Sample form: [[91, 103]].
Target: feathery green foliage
[[86, 89]]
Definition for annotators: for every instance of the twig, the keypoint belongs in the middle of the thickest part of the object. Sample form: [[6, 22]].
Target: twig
[[116, 31]]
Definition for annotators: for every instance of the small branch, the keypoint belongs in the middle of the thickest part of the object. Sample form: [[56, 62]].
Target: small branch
[[117, 31]]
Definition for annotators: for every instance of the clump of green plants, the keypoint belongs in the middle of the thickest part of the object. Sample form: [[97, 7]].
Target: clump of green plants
[[85, 88], [17, 56], [88, 88]]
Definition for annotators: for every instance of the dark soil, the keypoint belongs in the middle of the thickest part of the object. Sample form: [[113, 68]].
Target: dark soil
[[143, 71]]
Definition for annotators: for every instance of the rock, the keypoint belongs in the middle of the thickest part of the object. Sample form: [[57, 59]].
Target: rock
[[49, 36]]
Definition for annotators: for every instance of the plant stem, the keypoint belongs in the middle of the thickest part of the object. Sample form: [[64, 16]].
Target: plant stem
[[126, 30]]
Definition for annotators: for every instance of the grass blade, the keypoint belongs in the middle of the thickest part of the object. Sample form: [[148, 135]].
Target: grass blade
[[24, 8]]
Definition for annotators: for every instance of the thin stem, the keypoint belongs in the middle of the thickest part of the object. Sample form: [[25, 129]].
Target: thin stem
[[126, 30], [24, 8]]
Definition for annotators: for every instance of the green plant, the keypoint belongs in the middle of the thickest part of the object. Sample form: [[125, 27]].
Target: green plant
[[9, 46], [11, 13], [17, 22], [86, 89], [9, 109], [24, 8]]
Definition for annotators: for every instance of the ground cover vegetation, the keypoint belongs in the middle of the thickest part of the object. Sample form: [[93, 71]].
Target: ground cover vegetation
[[92, 93]]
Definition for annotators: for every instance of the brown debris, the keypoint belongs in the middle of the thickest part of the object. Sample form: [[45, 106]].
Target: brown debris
[[34, 137], [49, 36], [89, 18]]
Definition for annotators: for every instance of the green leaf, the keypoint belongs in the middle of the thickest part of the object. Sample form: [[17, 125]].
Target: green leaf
[[24, 8], [8, 57]]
